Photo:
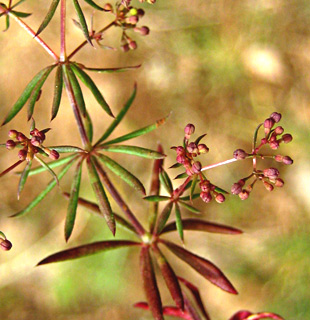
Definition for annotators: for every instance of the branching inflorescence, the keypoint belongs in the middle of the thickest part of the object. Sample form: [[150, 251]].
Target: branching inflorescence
[[93, 155]]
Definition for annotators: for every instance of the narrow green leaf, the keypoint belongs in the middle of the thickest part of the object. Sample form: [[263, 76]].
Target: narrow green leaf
[[73, 201], [136, 151], [36, 91], [85, 78], [255, 135], [122, 173], [7, 23], [52, 165], [88, 127], [66, 149], [156, 198], [103, 201], [119, 117], [58, 85], [176, 165], [178, 221], [87, 250], [49, 16], [218, 189], [165, 181], [181, 176], [23, 178], [94, 5], [48, 168], [163, 218], [76, 88], [43, 194], [33, 124], [82, 20], [187, 198], [24, 96], [150, 284], [137, 133], [188, 207], [17, 4], [111, 70], [199, 138], [193, 186], [2, 235], [21, 14]]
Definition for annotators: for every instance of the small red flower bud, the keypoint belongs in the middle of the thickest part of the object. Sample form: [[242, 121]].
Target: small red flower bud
[[205, 185], [5, 244], [287, 160], [54, 155], [271, 173], [269, 123], [202, 148], [181, 159], [22, 154], [10, 144], [189, 172], [206, 196], [21, 137], [244, 194], [278, 130], [125, 47], [240, 154], [276, 117], [133, 19], [274, 145], [107, 7], [196, 167], [278, 158], [180, 150], [279, 183], [220, 198], [189, 130], [192, 148], [268, 186], [13, 134], [133, 45], [35, 141], [236, 188], [286, 138], [41, 136], [144, 31]]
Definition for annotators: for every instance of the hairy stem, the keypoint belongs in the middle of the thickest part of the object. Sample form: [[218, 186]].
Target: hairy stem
[[63, 30]]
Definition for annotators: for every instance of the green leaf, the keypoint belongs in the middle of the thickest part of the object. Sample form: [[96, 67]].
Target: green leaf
[[88, 127], [49, 16], [187, 198], [136, 151], [23, 178], [84, 77], [75, 88], [199, 138], [255, 135], [176, 165], [193, 186], [218, 189], [103, 201], [36, 91], [33, 124], [48, 168], [52, 165], [66, 149], [163, 218], [119, 117], [165, 181], [87, 250], [111, 70], [188, 207], [122, 173], [57, 91], [137, 133], [17, 4], [94, 5], [181, 176], [73, 201], [43, 194], [156, 198], [178, 221], [82, 20], [24, 96], [7, 23], [21, 14]]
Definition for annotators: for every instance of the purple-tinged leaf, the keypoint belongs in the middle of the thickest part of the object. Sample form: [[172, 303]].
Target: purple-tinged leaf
[[150, 284], [156, 198], [119, 117], [206, 268], [104, 204], [23, 178], [49, 16], [178, 221], [247, 315], [94, 5], [193, 314], [136, 151], [73, 201], [165, 181], [86, 79], [82, 20], [122, 173], [195, 292], [87, 250], [111, 70], [189, 207], [201, 225], [169, 277], [163, 218], [58, 86]]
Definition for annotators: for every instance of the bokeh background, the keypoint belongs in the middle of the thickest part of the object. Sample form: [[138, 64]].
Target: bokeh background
[[224, 66]]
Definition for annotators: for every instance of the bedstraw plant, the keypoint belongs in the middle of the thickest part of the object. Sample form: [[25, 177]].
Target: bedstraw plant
[[94, 156]]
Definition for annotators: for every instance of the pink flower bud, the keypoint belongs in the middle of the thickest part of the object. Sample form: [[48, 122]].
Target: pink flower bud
[[244, 194], [125, 47], [202, 148], [278, 130], [236, 188], [35, 141], [189, 130], [5, 244], [279, 183], [269, 123], [240, 154], [274, 145], [133, 45], [205, 186], [22, 154], [13, 134], [107, 7], [54, 155], [196, 167], [10, 144], [192, 148], [287, 160], [271, 173], [276, 117], [20, 137], [268, 186], [278, 158], [133, 19], [286, 138], [181, 159], [206, 196], [220, 198], [144, 31]]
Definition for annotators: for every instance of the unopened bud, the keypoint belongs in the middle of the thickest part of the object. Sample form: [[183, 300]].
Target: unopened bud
[[107, 7], [244, 194], [220, 198], [205, 185], [22, 154], [41, 136], [180, 150], [181, 159], [10, 144], [125, 47], [274, 145], [133, 11], [192, 147], [268, 186], [20, 137], [5, 244], [271, 173], [279, 183], [276, 116], [287, 160], [13, 134], [196, 167], [202, 148], [286, 138], [206, 196], [35, 141], [133, 45], [189, 130], [141, 13], [54, 155], [268, 124], [278, 130], [278, 158], [133, 19], [144, 31], [236, 188], [240, 154]]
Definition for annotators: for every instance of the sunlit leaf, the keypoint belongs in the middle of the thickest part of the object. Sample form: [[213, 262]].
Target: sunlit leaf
[[58, 85], [85, 78], [181, 176], [48, 168], [178, 221], [150, 284], [136, 151], [156, 198], [163, 217], [199, 138], [94, 5], [165, 181], [49, 16], [23, 178], [66, 149], [188, 207], [21, 14], [111, 70], [88, 126], [17, 4], [206, 268], [122, 173], [82, 20], [87, 250], [73, 201]]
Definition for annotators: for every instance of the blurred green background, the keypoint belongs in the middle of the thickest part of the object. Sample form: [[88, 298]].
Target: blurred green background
[[224, 66]]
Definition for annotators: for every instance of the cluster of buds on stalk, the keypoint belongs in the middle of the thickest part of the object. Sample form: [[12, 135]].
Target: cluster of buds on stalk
[[127, 18], [30, 146], [5, 244], [273, 136], [186, 156]]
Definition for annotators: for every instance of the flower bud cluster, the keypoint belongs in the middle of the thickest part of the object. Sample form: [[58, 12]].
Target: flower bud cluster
[[127, 18], [208, 192], [30, 146]]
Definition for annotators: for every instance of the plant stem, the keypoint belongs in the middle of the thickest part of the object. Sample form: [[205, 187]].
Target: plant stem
[[31, 32], [92, 36], [118, 199], [11, 168], [63, 30], [218, 164]]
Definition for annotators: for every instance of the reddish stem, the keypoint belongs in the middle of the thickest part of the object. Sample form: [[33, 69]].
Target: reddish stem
[[11, 168], [63, 30]]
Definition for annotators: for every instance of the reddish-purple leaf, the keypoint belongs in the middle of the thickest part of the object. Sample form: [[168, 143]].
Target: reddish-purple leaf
[[86, 250], [193, 314], [150, 284], [169, 277], [206, 268], [201, 225], [241, 315], [247, 315]]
